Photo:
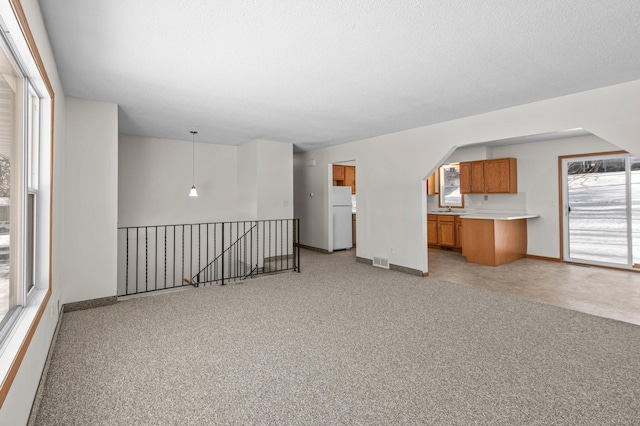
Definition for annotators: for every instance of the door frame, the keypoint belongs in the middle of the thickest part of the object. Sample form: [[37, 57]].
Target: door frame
[[561, 206]]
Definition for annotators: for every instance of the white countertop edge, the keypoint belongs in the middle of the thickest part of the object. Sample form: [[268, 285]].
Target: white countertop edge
[[496, 216]]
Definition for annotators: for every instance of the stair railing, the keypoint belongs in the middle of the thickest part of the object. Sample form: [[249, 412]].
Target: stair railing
[[209, 273], [160, 257]]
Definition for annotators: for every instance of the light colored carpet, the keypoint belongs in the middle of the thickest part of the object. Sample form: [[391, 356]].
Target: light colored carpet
[[341, 343]]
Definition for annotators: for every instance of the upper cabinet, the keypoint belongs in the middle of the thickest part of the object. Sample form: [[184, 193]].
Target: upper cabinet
[[432, 184], [496, 176], [472, 177], [501, 176], [350, 177], [345, 176]]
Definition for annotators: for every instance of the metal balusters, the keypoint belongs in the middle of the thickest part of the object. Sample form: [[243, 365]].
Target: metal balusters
[[229, 251]]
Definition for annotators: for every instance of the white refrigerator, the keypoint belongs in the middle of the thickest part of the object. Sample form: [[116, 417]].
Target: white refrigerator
[[342, 221]]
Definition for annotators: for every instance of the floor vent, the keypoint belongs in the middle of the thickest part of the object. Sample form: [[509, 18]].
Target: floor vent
[[381, 262]]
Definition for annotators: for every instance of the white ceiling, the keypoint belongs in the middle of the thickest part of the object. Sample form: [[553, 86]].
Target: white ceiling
[[320, 73]]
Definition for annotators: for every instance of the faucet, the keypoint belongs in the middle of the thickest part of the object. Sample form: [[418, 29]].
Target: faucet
[[448, 208]]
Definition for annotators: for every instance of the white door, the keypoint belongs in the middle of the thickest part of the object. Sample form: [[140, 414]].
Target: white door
[[601, 202]]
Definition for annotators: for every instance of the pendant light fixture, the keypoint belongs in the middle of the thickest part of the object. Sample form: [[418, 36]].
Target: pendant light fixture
[[194, 192]]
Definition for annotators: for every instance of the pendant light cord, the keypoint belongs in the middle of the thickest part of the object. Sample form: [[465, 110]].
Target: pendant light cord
[[193, 169]]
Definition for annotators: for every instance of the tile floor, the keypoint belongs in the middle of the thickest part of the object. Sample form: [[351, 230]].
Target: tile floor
[[598, 291]]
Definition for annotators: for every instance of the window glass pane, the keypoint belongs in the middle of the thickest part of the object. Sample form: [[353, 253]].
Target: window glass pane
[[31, 232], [635, 208], [597, 220], [33, 138], [9, 85], [450, 195]]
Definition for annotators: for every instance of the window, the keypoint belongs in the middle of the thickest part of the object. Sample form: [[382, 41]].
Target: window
[[450, 195], [26, 118], [10, 116], [19, 172]]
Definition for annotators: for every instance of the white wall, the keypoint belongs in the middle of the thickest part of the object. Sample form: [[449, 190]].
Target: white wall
[[248, 181], [392, 168], [17, 405], [252, 181], [91, 200], [275, 180], [155, 176]]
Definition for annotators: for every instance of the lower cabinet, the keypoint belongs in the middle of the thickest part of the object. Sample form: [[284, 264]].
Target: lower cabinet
[[432, 229], [458, 232], [494, 242], [444, 231]]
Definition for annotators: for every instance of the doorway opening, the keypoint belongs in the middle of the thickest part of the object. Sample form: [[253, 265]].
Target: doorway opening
[[342, 205], [601, 209]]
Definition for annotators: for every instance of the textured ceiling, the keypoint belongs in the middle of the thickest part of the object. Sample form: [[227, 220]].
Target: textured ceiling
[[320, 73]]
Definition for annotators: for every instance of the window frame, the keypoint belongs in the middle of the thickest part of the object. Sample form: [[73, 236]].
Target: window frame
[[21, 41], [441, 184]]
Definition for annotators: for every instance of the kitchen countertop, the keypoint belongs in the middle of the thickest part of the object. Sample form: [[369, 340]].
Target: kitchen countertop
[[498, 216], [452, 212], [487, 215]]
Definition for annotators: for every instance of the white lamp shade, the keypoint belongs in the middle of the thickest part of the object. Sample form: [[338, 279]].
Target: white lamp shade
[[193, 192]]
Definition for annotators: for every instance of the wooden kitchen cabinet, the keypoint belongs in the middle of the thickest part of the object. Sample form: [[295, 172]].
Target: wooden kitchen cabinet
[[494, 242], [446, 231], [477, 177], [350, 177], [496, 176], [432, 184], [338, 173], [472, 177], [345, 176], [501, 176], [465, 178], [432, 229]]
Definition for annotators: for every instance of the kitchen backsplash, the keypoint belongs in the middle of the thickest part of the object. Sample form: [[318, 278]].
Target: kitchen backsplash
[[500, 202], [494, 202]]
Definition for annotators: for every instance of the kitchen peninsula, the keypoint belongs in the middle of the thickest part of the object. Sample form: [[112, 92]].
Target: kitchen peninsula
[[494, 238]]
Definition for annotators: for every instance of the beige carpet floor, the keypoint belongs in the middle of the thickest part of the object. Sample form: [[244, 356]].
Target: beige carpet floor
[[341, 343]]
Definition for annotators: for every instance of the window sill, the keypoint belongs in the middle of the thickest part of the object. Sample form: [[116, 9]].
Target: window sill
[[17, 343]]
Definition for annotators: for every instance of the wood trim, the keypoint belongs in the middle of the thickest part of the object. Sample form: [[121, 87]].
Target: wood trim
[[560, 208], [614, 268], [15, 365], [317, 249], [438, 190], [425, 274], [96, 303], [28, 35], [593, 154], [545, 258], [406, 270]]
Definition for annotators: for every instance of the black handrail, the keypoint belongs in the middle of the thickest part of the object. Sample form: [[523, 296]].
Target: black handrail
[[158, 257], [195, 281]]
